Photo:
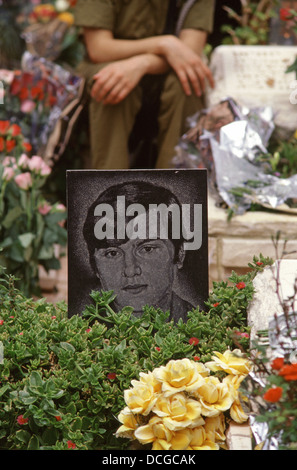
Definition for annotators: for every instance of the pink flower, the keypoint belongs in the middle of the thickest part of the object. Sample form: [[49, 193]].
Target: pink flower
[[1, 322], [8, 173], [71, 445], [24, 180], [21, 420], [242, 335], [8, 161], [6, 76], [23, 161], [27, 106], [44, 209], [45, 169], [60, 207], [35, 163]]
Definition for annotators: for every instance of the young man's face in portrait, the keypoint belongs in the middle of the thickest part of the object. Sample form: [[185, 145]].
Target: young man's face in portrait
[[140, 272]]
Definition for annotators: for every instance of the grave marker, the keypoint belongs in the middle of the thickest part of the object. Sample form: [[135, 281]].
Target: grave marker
[[142, 234]]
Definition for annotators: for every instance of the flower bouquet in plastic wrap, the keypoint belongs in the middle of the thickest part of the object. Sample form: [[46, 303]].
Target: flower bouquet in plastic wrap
[[246, 167], [44, 100]]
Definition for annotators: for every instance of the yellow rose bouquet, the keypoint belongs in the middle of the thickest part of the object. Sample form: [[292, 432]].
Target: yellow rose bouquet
[[182, 405]]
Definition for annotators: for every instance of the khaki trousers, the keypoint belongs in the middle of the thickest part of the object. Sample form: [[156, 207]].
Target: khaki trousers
[[111, 125]]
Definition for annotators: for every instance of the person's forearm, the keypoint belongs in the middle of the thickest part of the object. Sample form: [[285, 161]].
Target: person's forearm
[[102, 47]]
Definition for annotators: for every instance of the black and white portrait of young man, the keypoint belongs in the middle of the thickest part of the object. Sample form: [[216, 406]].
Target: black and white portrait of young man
[[141, 234]]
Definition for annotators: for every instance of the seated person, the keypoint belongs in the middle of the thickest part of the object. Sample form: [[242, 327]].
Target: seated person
[[134, 51]]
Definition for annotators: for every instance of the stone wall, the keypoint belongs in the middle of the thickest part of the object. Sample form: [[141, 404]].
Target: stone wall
[[232, 244]]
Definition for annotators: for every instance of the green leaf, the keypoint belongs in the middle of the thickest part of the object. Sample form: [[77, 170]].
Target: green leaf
[[35, 379], [46, 252], [12, 215], [33, 443], [23, 435], [26, 239], [67, 346]]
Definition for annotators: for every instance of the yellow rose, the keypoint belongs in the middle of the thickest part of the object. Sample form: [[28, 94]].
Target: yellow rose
[[214, 396], [215, 428], [155, 431], [178, 411], [177, 376], [151, 381], [232, 362], [199, 440], [141, 397], [129, 423], [181, 439], [236, 411], [202, 369]]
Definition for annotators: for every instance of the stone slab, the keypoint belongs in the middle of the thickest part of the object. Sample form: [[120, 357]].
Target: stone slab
[[258, 224], [266, 302], [238, 252], [238, 437], [256, 76]]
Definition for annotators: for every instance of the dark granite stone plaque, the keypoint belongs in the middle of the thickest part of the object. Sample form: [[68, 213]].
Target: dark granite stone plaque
[[140, 233]]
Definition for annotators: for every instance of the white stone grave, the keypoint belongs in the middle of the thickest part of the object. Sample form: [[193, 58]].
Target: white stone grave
[[266, 302], [256, 76]]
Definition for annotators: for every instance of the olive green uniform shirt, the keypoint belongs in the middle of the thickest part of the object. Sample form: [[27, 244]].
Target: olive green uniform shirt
[[135, 19]]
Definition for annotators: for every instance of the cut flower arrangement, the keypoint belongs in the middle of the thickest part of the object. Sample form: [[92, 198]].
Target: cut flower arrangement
[[30, 227], [181, 406]]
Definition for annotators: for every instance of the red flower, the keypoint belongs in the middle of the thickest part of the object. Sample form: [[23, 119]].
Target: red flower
[[196, 358], [10, 145], [21, 420], [277, 363], [273, 394], [216, 304], [58, 418], [259, 263], [242, 335], [111, 375], [23, 94], [88, 330], [27, 146], [2, 144], [240, 285], [15, 130], [37, 93], [4, 126], [284, 14], [157, 348], [71, 445], [194, 341], [289, 372], [1, 322]]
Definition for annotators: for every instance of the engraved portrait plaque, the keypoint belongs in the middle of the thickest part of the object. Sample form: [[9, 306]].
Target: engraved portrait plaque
[[142, 234]]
